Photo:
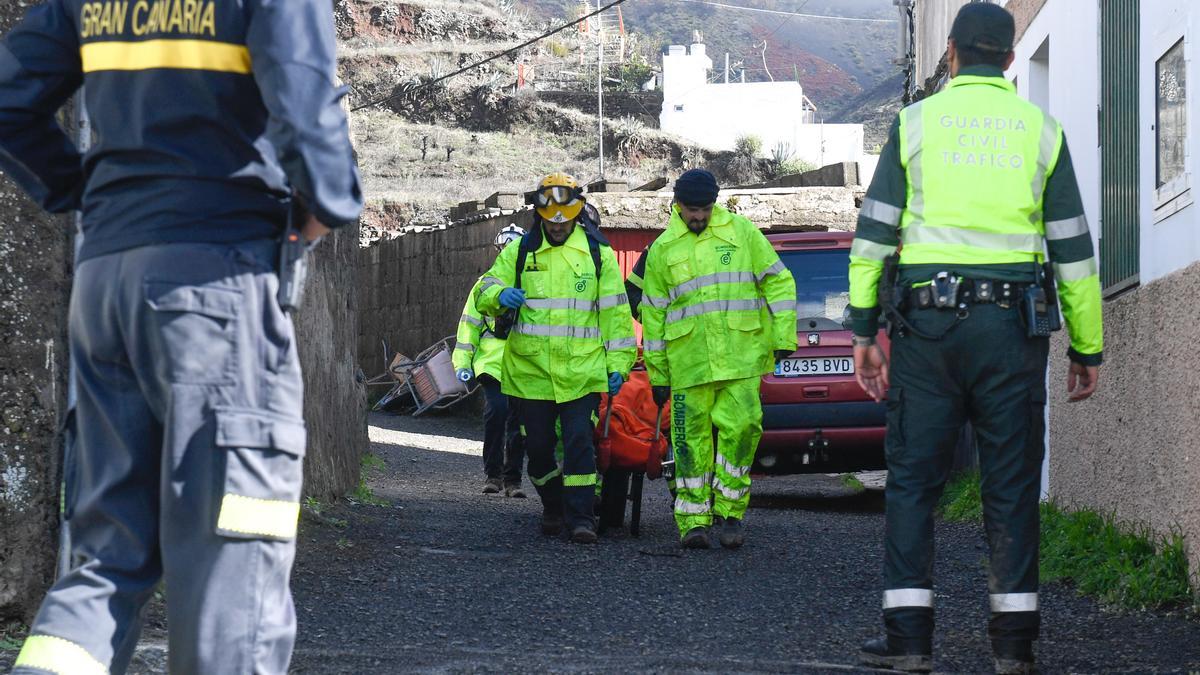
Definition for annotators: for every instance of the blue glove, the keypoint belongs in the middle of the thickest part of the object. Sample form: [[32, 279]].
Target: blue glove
[[464, 374], [615, 380], [512, 298]]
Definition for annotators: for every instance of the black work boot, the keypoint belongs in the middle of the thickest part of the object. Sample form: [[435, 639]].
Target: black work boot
[[552, 520], [583, 534], [492, 486], [908, 656], [1013, 657], [732, 535], [552, 506], [697, 537]]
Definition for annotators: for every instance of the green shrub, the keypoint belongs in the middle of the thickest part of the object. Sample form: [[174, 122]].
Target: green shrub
[[748, 145]]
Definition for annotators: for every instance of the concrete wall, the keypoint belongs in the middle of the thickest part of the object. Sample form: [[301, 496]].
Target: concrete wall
[[1133, 449], [35, 256]]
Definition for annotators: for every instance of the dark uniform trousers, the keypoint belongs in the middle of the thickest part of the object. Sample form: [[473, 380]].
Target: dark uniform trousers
[[985, 371], [579, 455], [503, 445], [187, 464]]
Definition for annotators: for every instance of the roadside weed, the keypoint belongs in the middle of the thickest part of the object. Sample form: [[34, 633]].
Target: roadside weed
[[852, 482], [1121, 565], [961, 499], [12, 636]]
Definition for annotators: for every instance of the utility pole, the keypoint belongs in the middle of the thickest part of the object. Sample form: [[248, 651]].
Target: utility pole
[[600, 83], [726, 67]]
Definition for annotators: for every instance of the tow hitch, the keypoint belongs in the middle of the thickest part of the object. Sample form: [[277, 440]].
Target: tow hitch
[[818, 449]]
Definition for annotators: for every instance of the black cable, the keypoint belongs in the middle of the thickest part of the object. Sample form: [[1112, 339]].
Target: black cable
[[502, 54]]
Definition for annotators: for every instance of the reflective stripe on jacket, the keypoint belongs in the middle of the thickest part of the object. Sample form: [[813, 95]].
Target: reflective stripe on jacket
[[572, 331], [977, 161], [716, 304], [475, 347]]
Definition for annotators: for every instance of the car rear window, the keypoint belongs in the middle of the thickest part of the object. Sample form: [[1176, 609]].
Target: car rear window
[[822, 283]]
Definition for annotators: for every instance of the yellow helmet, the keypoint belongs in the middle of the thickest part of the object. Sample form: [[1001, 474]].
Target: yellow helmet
[[558, 198]]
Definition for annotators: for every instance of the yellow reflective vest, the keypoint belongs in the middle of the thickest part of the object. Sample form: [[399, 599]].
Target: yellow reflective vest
[[573, 329], [977, 161], [716, 304], [476, 347]]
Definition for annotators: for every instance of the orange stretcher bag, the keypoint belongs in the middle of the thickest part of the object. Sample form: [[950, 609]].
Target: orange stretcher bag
[[631, 443]]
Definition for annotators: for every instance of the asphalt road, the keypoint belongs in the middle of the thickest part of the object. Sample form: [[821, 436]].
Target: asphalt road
[[445, 579]]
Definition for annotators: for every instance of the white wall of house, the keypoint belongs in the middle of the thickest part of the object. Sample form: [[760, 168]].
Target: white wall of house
[[715, 115], [1170, 233], [1056, 66]]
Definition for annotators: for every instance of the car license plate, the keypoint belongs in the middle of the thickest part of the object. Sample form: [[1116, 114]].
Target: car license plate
[[824, 365]]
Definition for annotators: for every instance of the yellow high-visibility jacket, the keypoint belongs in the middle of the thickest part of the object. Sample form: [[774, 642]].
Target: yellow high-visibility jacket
[[716, 305], [573, 329], [476, 348]]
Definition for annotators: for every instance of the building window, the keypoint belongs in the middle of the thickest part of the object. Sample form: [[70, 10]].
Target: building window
[[1170, 128], [679, 108]]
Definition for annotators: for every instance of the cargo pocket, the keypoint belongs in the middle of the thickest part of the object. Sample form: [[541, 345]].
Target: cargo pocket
[[525, 345], [197, 326], [894, 439], [744, 321], [679, 328], [679, 268], [264, 472], [1035, 445]]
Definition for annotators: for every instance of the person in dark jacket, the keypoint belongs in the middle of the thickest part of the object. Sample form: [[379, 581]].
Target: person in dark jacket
[[217, 124]]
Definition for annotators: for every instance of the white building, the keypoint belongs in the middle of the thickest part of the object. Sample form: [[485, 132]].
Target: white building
[[1116, 75], [716, 114]]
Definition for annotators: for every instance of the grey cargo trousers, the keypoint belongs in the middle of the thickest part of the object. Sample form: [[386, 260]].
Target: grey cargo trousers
[[186, 464]]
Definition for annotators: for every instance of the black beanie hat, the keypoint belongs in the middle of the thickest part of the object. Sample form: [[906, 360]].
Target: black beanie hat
[[984, 26], [696, 187]]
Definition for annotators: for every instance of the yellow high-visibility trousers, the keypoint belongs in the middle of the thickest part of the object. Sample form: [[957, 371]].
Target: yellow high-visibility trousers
[[712, 480]]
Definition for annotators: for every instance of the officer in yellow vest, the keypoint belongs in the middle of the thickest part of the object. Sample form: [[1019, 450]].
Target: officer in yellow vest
[[975, 186], [478, 353], [719, 307], [571, 338]]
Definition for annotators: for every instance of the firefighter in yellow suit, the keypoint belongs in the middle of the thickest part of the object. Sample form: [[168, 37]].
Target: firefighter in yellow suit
[[571, 338], [719, 308]]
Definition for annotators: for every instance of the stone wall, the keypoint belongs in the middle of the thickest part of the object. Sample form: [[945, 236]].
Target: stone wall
[[1133, 449], [644, 106], [334, 400], [35, 259], [412, 288]]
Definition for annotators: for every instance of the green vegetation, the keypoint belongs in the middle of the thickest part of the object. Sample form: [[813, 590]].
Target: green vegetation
[[363, 495], [962, 500], [1120, 565], [748, 145], [12, 636], [373, 463], [792, 166], [850, 481], [634, 73], [1124, 566]]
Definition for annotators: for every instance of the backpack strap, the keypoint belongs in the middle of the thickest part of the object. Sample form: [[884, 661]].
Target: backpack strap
[[533, 241]]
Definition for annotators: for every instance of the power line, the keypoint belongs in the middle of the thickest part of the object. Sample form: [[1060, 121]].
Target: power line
[[804, 16], [502, 54]]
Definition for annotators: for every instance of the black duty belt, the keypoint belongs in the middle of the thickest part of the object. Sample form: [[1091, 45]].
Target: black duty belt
[[951, 295]]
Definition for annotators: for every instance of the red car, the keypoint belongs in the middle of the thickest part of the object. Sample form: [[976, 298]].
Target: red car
[[815, 416]]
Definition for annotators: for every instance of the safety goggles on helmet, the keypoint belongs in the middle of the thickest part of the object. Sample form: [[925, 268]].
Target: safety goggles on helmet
[[562, 195]]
